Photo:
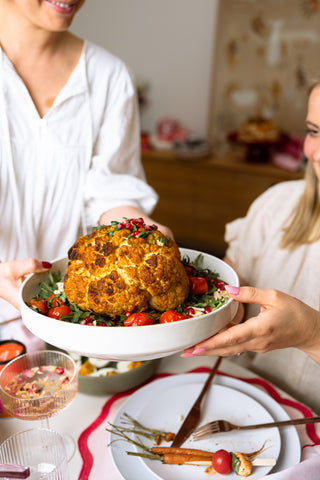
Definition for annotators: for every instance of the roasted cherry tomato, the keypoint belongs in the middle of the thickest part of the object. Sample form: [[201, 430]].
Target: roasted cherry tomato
[[138, 320], [172, 316], [188, 270], [55, 302], [58, 312], [198, 285], [39, 304], [221, 461]]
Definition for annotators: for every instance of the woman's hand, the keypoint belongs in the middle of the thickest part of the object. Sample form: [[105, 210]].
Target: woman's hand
[[11, 277], [283, 321]]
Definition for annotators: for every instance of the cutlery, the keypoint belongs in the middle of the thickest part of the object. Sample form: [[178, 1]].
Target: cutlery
[[222, 426], [9, 470], [193, 417]]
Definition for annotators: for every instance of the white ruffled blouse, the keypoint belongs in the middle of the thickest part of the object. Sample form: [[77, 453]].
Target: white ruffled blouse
[[59, 173]]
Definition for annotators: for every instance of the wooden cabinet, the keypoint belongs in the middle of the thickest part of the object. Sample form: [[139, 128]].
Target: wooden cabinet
[[198, 197]]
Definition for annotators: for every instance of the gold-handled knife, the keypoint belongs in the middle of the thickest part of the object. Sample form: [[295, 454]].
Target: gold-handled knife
[[193, 417]]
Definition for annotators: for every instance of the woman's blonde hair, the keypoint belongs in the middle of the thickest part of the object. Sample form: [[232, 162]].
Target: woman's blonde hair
[[303, 224]]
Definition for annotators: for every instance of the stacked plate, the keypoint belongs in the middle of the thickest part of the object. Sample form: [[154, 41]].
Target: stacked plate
[[164, 403]]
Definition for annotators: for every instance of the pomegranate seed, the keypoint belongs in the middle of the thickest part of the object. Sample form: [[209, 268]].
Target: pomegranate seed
[[127, 314], [191, 311], [207, 310], [128, 226], [140, 220], [120, 226], [155, 226], [147, 227], [88, 320], [101, 324]]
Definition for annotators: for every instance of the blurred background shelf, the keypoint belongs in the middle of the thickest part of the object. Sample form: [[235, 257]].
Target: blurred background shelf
[[198, 197]]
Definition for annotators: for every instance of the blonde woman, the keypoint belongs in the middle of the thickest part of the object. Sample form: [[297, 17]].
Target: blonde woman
[[277, 246]]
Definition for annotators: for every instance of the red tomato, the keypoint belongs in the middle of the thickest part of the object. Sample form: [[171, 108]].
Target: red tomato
[[138, 320], [57, 312], [188, 270], [172, 316], [198, 285], [39, 304], [55, 302], [221, 461]]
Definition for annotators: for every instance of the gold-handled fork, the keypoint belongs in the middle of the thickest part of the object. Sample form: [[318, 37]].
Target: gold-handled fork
[[222, 426]]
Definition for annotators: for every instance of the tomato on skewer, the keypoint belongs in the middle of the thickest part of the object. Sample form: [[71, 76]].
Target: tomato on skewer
[[222, 461]]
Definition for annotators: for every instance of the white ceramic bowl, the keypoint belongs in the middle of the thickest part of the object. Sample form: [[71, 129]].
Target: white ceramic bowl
[[129, 343]]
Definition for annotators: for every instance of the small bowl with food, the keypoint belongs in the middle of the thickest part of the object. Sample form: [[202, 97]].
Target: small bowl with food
[[126, 292], [100, 376]]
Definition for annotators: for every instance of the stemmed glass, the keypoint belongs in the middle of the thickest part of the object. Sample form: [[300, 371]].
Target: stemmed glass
[[35, 454], [38, 385]]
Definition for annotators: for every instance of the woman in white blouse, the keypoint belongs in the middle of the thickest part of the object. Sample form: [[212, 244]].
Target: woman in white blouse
[[69, 142], [277, 247]]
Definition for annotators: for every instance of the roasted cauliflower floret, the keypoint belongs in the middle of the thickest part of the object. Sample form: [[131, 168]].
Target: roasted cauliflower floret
[[127, 266]]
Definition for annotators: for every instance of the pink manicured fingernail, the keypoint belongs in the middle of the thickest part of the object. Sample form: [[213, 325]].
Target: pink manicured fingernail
[[186, 355], [198, 350], [232, 290], [46, 264]]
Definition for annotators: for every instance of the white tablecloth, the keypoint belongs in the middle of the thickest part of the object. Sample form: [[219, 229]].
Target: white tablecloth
[[87, 417]]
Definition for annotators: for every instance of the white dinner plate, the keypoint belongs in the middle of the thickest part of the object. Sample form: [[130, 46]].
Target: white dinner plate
[[161, 404]]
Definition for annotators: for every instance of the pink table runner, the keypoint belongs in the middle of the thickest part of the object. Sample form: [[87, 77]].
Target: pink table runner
[[96, 457]]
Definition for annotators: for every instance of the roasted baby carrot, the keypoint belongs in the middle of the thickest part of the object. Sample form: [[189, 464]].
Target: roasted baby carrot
[[181, 451], [181, 459]]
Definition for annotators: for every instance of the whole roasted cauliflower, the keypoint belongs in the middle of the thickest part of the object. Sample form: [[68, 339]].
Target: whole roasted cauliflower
[[125, 267]]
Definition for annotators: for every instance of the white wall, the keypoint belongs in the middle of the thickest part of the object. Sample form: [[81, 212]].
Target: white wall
[[167, 43]]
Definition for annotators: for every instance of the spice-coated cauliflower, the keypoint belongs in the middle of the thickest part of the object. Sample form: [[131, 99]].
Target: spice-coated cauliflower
[[126, 266]]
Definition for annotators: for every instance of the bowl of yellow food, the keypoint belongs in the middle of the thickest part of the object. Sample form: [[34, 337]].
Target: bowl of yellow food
[[100, 376]]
